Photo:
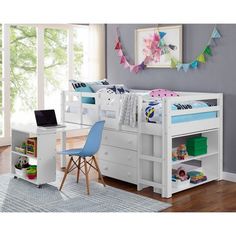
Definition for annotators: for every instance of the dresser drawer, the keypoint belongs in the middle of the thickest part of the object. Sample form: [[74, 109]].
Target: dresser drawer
[[117, 171], [120, 139], [118, 155]]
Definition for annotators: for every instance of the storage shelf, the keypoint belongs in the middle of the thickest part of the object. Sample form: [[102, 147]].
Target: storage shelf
[[190, 158], [22, 154], [190, 185]]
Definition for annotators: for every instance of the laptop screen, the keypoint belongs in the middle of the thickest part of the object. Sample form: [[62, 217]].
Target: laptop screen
[[45, 117]]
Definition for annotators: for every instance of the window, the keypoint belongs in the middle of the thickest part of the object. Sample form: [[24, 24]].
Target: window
[[55, 68], [19, 81], [23, 73], [80, 41], [56, 62]]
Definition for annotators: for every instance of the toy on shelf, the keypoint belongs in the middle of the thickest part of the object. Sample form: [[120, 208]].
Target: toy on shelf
[[180, 174], [174, 156], [31, 146], [21, 149], [180, 154], [31, 172], [21, 165], [196, 177]]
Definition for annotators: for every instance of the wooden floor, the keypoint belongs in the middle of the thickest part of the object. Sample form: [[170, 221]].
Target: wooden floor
[[217, 196]]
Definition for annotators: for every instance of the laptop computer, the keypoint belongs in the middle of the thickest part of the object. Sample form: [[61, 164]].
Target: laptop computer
[[47, 119]]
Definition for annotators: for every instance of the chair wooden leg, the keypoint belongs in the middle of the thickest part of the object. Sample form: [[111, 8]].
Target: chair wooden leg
[[66, 172], [78, 171], [86, 175], [98, 170]]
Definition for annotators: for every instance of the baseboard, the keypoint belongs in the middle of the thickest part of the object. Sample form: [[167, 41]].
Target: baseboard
[[229, 176]]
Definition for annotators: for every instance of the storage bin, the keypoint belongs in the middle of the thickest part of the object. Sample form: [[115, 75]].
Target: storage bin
[[197, 146], [197, 151], [21, 172], [197, 141], [180, 184]]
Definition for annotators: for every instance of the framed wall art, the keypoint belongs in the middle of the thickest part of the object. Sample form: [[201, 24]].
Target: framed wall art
[[156, 46]]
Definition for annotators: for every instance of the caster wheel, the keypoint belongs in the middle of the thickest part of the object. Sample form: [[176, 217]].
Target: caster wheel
[[15, 177], [39, 186]]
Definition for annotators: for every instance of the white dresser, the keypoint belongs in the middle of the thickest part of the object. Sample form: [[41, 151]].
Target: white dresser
[[118, 155]]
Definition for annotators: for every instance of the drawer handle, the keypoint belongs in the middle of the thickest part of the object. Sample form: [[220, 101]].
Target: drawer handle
[[105, 153], [105, 168], [105, 137], [130, 142], [129, 174], [129, 158]]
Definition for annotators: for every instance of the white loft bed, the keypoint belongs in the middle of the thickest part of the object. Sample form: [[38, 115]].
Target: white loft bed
[[143, 155]]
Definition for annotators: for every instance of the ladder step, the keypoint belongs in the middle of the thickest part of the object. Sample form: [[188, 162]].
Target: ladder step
[[150, 158], [150, 183]]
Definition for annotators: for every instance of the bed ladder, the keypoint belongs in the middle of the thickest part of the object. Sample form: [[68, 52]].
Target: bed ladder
[[154, 161]]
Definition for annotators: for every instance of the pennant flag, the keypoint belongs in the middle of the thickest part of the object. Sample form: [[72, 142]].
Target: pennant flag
[[185, 67], [122, 60], [173, 63], [207, 51], [120, 53], [118, 45], [142, 66], [136, 69], [215, 34], [201, 58], [162, 34], [179, 67], [194, 64]]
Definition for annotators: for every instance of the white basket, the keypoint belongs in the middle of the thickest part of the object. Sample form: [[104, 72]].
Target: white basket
[[178, 183], [21, 173]]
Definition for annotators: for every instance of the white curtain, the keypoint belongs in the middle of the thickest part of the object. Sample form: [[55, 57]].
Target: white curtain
[[96, 52]]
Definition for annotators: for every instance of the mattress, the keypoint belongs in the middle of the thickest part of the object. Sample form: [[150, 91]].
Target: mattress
[[152, 112], [193, 117]]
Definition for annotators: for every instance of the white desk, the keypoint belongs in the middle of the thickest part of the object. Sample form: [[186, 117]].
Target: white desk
[[46, 149]]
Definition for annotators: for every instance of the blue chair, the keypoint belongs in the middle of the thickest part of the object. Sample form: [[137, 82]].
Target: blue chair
[[82, 155]]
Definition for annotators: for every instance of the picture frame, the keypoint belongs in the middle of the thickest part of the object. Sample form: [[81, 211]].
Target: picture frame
[[173, 37]]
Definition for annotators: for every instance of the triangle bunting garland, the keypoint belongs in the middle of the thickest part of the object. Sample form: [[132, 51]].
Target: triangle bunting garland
[[179, 67], [194, 64], [173, 62], [122, 60], [215, 34], [118, 45], [201, 58], [207, 51], [159, 48], [185, 67]]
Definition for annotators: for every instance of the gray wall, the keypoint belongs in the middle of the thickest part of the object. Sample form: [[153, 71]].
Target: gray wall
[[217, 75]]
